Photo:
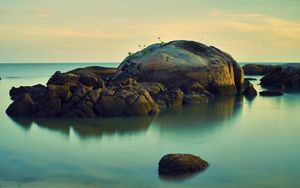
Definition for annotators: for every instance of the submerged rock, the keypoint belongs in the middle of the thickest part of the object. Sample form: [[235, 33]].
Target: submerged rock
[[270, 93], [178, 164]]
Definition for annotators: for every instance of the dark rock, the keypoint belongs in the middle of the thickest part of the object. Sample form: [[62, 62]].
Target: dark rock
[[249, 91], [169, 98], [177, 164], [181, 62], [34, 91], [87, 109], [104, 73], [59, 92], [118, 101], [22, 106], [196, 88], [59, 78], [270, 93], [285, 77], [258, 69]]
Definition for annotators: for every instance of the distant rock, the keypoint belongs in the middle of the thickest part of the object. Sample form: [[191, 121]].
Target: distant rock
[[285, 77], [178, 164], [270, 93], [258, 69], [178, 63]]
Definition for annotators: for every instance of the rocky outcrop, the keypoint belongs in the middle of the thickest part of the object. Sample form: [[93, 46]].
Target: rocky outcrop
[[178, 164], [258, 69], [285, 77], [158, 77], [178, 63]]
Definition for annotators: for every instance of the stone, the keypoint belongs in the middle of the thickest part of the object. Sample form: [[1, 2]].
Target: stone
[[34, 91], [178, 164], [59, 91], [22, 106], [86, 109], [170, 98], [180, 62]]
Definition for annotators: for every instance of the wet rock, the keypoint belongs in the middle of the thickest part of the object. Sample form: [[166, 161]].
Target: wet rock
[[249, 91], [177, 164]]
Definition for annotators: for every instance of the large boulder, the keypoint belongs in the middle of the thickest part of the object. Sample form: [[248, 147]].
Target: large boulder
[[285, 77], [178, 63], [178, 164], [258, 69]]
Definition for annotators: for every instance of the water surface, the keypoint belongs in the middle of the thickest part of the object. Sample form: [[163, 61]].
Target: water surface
[[247, 143]]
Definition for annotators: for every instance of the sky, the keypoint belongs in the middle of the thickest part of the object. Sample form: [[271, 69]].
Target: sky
[[38, 31]]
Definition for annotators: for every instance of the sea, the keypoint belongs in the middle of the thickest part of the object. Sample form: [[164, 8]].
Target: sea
[[247, 143]]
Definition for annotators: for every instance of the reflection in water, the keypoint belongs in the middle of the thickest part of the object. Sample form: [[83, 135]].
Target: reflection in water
[[221, 109], [181, 177], [190, 116], [91, 127]]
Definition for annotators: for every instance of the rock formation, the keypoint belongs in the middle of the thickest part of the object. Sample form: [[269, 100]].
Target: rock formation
[[284, 77], [155, 78]]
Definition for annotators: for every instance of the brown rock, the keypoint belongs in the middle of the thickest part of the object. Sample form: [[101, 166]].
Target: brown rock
[[22, 106], [177, 164]]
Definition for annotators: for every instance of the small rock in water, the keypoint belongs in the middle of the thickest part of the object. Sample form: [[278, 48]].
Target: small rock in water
[[179, 164], [270, 93]]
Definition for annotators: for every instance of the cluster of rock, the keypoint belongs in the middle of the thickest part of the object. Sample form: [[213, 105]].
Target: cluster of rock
[[158, 77], [276, 78], [284, 77]]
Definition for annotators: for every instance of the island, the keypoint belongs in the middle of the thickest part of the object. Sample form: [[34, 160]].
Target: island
[[160, 76]]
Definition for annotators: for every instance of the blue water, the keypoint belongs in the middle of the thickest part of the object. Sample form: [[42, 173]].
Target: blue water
[[247, 143]]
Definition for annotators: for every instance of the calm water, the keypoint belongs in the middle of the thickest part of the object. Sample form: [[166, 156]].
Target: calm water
[[247, 143]]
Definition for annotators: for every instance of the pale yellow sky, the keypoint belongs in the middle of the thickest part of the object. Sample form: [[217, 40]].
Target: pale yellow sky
[[106, 30]]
